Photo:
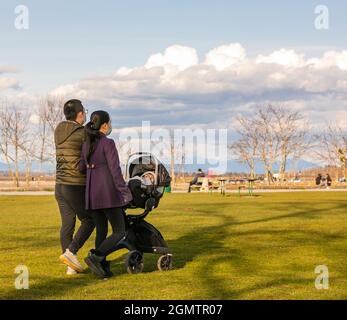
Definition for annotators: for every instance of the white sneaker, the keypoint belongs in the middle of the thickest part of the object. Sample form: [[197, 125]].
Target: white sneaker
[[71, 261], [70, 271]]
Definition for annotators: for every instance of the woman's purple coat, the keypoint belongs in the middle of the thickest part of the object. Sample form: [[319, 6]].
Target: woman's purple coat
[[105, 187]]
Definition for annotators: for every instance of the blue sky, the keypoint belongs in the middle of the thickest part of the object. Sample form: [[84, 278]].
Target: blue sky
[[69, 40], [188, 61]]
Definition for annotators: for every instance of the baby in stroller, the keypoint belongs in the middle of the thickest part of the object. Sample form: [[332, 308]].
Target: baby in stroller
[[147, 179]]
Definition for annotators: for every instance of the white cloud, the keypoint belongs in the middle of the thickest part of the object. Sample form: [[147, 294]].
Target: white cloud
[[225, 56], [283, 57], [177, 56], [174, 88], [20, 98], [330, 59], [7, 69], [34, 119], [6, 81]]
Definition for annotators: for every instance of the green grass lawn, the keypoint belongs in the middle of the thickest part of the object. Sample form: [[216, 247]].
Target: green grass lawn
[[266, 247]]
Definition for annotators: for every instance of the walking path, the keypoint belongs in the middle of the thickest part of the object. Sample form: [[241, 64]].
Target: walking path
[[50, 193], [26, 193], [271, 191]]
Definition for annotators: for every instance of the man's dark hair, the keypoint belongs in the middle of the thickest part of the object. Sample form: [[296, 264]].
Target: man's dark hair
[[72, 108]]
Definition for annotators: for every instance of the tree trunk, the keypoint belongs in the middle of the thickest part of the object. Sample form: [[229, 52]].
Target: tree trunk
[[16, 167], [268, 176], [252, 170], [283, 168], [252, 174], [27, 171], [172, 164], [10, 172]]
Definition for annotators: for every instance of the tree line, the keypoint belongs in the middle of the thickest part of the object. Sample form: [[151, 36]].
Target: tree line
[[23, 142], [272, 135]]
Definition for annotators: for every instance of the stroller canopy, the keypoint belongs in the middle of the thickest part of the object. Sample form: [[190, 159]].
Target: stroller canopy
[[138, 164]]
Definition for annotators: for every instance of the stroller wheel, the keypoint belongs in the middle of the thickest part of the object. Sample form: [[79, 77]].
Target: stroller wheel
[[165, 262], [134, 262]]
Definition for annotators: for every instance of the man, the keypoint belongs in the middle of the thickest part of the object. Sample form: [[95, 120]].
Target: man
[[199, 174], [70, 184], [318, 179]]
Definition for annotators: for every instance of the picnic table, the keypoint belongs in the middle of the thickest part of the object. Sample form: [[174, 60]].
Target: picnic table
[[222, 186], [205, 184], [250, 185]]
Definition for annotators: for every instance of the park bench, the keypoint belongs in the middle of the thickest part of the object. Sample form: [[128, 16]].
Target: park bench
[[201, 184], [205, 184]]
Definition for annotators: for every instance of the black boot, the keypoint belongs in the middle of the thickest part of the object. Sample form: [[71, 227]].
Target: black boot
[[107, 268], [94, 262]]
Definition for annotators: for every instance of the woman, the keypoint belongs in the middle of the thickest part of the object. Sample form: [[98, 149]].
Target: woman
[[329, 181], [106, 191]]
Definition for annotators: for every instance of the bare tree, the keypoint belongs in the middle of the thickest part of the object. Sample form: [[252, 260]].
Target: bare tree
[[50, 113], [292, 133], [125, 150], [246, 146], [5, 138], [183, 160], [332, 147], [54, 110], [172, 159], [272, 135], [268, 139], [167, 148], [14, 126], [20, 143], [343, 160], [28, 148], [15, 134]]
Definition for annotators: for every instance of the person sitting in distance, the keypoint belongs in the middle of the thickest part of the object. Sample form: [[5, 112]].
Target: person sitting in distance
[[195, 181]]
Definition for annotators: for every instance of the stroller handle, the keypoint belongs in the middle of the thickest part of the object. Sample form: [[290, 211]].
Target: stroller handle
[[140, 153], [143, 154]]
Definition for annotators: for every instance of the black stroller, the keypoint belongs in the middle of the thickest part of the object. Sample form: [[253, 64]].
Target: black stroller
[[147, 179]]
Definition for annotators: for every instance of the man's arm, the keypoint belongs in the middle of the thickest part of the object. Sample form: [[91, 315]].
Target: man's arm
[[83, 164]]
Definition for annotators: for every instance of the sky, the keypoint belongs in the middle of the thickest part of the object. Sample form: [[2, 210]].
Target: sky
[[183, 62]]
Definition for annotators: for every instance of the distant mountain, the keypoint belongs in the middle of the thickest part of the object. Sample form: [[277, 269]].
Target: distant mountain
[[299, 165], [3, 166], [233, 166], [238, 167], [35, 167], [47, 167]]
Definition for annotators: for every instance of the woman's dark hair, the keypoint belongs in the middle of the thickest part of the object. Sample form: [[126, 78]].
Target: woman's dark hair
[[97, 119]]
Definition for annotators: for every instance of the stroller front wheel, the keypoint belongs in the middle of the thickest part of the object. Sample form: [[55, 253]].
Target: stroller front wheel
[[134, 262], [165, 262]]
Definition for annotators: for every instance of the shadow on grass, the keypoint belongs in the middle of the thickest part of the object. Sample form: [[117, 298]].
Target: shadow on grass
[[210, 241], [206, 242]]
